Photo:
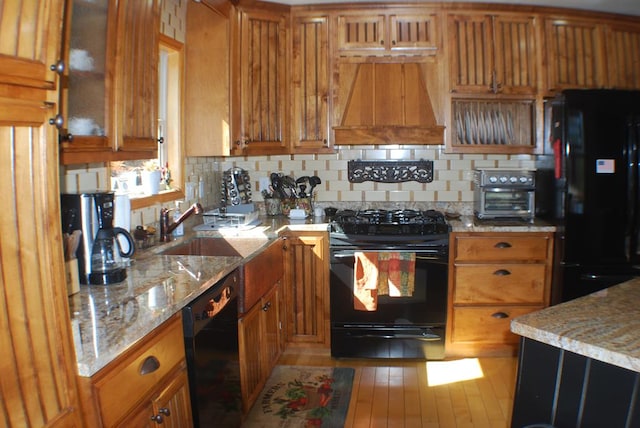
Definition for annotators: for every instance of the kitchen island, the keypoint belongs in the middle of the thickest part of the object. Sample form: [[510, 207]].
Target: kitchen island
[[579, 362]]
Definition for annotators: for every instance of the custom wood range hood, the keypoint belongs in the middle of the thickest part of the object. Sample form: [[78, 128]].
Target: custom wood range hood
[[386, 103]]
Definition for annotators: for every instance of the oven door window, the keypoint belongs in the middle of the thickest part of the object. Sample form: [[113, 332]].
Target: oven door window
[[506, 201], [427, 305]]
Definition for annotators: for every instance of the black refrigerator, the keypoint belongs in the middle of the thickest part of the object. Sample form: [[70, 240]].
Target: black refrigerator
[[588, 185]]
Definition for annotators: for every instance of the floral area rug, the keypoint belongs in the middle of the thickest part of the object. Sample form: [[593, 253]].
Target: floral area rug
[[299, 396]]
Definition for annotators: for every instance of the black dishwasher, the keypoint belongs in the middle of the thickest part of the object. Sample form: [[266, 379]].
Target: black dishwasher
[[211, 340]]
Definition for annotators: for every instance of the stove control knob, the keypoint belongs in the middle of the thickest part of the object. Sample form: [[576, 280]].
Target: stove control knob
[[503, 179], [513, 179], [524, 179], [493, 179]]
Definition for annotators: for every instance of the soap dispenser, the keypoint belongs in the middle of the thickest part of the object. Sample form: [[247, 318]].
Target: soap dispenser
[[179, 231]]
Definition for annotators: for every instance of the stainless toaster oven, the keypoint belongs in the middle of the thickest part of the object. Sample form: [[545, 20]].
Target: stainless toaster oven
[[504, 193]]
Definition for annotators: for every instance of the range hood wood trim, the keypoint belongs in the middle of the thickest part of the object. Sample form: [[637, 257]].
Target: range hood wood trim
[[371, 135], [386, 103]]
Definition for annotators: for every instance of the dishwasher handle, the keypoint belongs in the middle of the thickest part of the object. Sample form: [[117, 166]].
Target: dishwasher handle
[[197, 314]]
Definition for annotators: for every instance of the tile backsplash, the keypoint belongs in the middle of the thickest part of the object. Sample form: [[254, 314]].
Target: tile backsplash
[[452, 173]]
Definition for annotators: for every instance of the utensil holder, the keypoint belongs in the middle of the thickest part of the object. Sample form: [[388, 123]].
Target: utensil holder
[[272, 206], [287, 204], [305, 204]]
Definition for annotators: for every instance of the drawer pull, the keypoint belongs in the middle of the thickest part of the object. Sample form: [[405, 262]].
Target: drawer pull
[[150, 365], [502, 245], [500, 315], [502, 272]]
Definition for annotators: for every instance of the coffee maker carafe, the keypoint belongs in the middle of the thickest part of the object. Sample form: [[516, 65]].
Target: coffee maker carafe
[[100, 255]]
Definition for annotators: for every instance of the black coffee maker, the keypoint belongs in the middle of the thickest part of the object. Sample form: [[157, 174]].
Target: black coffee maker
[[100, 255]]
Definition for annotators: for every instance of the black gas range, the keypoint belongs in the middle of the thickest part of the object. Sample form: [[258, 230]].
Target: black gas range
[[401, 228], [410, 325]]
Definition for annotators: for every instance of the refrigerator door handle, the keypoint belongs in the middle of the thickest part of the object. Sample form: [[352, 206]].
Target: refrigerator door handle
[[631, 227], [635, 199]]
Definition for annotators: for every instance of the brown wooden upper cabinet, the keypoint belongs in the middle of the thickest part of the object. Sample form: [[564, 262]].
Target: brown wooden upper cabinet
[[310, 84], [492, 54], [575, 54], [387, 32], [110, 89], [623, 55], [260, 115]]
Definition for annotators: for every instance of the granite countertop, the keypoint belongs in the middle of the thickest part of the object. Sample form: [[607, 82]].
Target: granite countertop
[[604, 325], [108, 320]]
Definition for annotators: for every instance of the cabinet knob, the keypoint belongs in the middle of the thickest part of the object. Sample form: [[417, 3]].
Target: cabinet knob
[[502, 272], [157, 419], [65, 138], [502, 245], [165, 411], [500, 315], [58, 67], [161, 140], [266, 306], [58, 121]]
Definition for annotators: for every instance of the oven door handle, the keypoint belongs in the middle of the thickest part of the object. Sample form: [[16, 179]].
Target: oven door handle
[[341, 257], [427, 337]]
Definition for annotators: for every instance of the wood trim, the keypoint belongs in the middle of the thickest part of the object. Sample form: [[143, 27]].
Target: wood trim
[[369, 135]]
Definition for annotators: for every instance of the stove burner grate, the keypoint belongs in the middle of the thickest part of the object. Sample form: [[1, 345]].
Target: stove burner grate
[[390, 222]]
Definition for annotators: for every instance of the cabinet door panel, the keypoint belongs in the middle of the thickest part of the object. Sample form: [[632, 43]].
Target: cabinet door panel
[[251, 365], [271, 333], [576, 59], [38, 371], [28, 51], [414, 31], [361, 32], [471, 56], [263, 83], [306, 288], [515, 54], [623, 55], [310, 84], [136, 103]]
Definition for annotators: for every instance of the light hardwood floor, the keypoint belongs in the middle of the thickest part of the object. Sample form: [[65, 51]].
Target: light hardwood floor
[[397, 393]]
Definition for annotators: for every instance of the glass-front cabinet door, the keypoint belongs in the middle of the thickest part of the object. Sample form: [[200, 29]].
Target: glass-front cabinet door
[[86, 97], [110, 85]]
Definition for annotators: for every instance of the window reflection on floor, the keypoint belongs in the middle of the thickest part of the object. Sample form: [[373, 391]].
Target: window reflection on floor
[[447, 372]]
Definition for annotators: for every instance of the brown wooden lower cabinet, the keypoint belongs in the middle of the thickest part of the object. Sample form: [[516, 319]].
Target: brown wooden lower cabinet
[[259, 337], [307, 288], [154, 373], [493, 278], [170, 408]]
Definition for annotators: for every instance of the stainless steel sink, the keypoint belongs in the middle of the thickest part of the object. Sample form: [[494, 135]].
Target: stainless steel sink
[[221, 247]]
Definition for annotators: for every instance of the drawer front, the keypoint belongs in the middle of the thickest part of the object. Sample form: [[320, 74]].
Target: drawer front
[[124, 385], [486, 325], [502, 283], [504, 247]]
